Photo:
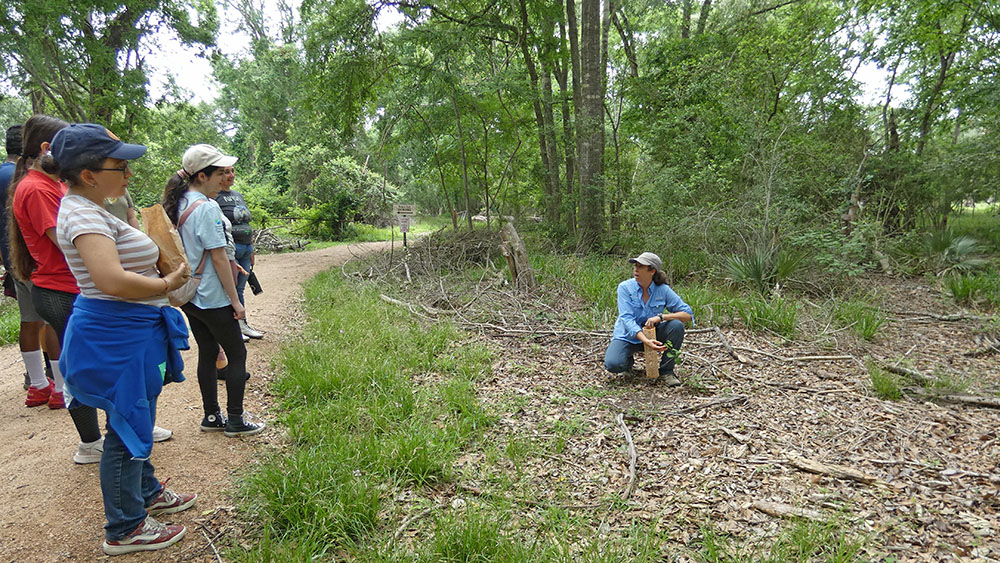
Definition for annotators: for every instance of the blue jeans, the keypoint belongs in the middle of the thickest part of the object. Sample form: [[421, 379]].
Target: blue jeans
[[621, 354], [127, 485], [243, 254]]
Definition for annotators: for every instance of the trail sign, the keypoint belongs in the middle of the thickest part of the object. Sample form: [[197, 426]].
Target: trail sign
[[404, 209], [404, 224]]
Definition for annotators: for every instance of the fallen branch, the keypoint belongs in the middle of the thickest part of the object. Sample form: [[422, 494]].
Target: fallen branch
[[734, 435], [729, 348], [781, 510], [830, 470], [961, 399], [794, 359], [410, 307], [907, 372], [210, 542], [725, 400], [631, 455], [947, 318], [413, 518]]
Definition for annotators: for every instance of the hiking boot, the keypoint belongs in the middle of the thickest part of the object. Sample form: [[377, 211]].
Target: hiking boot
[[249, 331], [169, 502], [149, 536], [38, 397], [213, 423], [56, 401], [238, 426], [161, 434], [669, 379], [89, 453]]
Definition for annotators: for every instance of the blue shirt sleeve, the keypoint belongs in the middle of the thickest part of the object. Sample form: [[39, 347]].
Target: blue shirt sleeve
[[626, 312], [674, 304], [208, 226]]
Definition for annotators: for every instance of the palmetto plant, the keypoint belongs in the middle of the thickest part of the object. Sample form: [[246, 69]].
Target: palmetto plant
[[948, 252], [762, 267]]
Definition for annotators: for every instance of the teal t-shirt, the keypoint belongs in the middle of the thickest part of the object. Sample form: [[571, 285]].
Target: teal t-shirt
[[204, 230]]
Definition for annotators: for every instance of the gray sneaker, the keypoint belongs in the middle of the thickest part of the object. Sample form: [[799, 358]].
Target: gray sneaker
[[241, 427]]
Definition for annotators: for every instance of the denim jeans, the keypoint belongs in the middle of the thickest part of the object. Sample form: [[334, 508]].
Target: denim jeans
[[621, 354], [127, 485], [243, 254]]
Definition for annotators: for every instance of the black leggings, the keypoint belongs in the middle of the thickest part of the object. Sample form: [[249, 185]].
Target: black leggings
[[55, 308], [212, 328]]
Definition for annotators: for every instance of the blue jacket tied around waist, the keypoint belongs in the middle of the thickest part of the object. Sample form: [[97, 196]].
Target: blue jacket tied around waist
[[117, 356]]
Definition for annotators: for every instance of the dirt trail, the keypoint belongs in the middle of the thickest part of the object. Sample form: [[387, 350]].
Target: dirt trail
[[50, 508]]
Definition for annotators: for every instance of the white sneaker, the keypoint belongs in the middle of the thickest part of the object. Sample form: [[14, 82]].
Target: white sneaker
[[161, 434], [89, 453], [249, 331]]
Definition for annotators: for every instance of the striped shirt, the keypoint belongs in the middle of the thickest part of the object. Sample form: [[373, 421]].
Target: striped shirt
[[136, 251]]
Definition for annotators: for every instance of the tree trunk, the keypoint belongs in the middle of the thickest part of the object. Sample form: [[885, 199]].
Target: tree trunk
[[553, 203], [590, 127], [945, 61], [461, 144], [529, 63], [437, 161], [706, 7], [686, 19]]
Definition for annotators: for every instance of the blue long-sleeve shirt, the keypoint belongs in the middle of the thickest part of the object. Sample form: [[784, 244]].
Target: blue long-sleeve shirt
[[633, 312], [117, 356]]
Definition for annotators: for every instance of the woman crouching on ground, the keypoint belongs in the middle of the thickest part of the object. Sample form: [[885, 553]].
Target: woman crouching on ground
[[647, 300], [215, 310], [123, 339]]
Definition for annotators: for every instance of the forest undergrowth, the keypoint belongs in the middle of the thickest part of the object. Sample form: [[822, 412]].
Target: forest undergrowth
[[466, 420]]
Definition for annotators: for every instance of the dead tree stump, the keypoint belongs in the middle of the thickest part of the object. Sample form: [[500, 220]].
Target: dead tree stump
[[512, 247]]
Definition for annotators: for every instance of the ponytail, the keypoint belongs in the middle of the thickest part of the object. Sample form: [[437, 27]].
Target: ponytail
[[21, 262], [659, 278], [176, 186], [172, 194]]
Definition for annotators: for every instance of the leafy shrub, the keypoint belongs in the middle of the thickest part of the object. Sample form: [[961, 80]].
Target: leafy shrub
[[863, 319], [777, 314]]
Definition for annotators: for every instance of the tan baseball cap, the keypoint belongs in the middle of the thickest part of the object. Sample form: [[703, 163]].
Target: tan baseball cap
[[198, 157]]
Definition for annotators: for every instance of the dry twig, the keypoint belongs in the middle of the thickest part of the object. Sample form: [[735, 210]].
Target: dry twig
[[631, 455]]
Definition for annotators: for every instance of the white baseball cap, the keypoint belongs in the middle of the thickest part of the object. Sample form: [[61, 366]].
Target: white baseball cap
[[198, 157]]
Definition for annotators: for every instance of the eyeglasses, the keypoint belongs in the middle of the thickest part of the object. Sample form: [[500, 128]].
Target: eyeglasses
[[122, 169]]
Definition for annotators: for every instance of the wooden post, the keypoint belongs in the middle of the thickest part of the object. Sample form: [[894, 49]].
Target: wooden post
[[652, 357], [512, 247]]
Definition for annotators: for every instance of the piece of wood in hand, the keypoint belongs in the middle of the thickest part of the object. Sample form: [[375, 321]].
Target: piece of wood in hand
[[652, 358]]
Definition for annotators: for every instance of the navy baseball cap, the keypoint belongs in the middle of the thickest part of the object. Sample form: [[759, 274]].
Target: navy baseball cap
[[80, 139]]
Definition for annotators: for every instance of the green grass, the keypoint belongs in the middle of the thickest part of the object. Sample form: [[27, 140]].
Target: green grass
[[885, 385], [973, 290], [981, 224], [777, 315], [802, 540], [357, 426], [10, 321], [361, 232], [863, 320]]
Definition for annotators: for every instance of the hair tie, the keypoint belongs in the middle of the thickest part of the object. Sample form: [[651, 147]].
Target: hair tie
[[183, 174]]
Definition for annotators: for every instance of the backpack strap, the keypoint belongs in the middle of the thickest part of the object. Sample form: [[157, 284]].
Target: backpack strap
[[180, 221], [187, 212]]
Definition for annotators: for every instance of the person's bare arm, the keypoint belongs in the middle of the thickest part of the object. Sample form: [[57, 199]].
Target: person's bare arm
[[221, 263], [104, 265]]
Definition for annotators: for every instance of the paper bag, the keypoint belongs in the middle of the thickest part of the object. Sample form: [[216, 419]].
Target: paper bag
[[159, 228]]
